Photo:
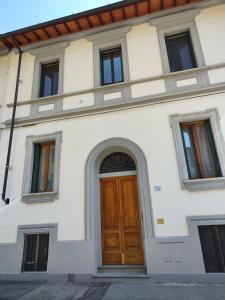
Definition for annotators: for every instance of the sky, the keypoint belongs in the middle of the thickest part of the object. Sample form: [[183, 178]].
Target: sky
[[16, 14]]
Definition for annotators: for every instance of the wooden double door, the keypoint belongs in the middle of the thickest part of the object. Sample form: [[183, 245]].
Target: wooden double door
[[120, 222], [212, 239]]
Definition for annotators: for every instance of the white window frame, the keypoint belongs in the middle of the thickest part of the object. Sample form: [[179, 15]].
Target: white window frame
[[27, 196], [205, 183]]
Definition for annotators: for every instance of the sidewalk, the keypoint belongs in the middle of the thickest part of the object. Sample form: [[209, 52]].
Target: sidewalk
[[127, 290]]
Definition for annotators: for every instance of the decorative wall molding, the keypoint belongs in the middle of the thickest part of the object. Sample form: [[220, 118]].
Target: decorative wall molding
[[135, 103], [104, 89]]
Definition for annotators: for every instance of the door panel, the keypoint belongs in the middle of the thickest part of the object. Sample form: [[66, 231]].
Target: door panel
[[121, 226], [131, 225], [111, 245]]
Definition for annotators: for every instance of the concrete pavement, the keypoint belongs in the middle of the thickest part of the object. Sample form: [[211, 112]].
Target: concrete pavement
[[121, 289]]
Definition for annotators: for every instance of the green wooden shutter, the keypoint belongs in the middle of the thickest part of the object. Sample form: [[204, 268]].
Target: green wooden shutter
[[36, 162]]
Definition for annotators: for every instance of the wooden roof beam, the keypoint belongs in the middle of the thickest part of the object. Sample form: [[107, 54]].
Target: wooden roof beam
[[6, 43], [149, 6], [124, 13], [36, 35], [89, 22], [17, 41], [67, 27], [136, 10], [100, 19], [78, 24], [111, 16], [56, 30], [26, 38], [46, 33]]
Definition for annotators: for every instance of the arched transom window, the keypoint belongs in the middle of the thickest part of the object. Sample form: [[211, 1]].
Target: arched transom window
[[117, 162]]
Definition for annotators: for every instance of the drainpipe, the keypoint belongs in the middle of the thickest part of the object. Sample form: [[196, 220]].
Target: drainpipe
[[7, 200]]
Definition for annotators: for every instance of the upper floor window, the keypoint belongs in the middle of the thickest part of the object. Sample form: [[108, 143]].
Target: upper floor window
[[180, 52], [43, 167], [49, 80], [111, 66], [200, 152]]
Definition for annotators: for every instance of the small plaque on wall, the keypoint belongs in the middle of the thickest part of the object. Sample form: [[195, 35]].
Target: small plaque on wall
[[160, 221]]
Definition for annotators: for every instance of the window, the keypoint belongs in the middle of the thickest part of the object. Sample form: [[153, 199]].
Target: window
[[35, 256], [49, 79], [43, 167], [200, 152], [41, 170], [111, 66], [180, 52]]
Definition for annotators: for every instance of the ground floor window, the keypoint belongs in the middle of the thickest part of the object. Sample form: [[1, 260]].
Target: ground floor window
[[35, 256], [212, 239]]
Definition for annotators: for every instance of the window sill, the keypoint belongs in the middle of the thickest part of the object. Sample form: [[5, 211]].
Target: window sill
[[205, 184], [39, 197]]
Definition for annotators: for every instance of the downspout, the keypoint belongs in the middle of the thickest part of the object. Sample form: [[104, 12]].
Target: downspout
[[7, 200]]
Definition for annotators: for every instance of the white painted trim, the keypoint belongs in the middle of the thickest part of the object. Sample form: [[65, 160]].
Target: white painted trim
[[118, 174], [137, 103]]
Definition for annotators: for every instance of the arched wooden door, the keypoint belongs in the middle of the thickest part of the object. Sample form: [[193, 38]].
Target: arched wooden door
[[120, 213]]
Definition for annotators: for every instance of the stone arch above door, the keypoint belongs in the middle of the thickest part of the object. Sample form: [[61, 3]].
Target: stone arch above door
[[93, 162]]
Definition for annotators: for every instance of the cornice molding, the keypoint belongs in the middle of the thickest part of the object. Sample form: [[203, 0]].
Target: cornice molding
[[54, 47], [109, 34], [175, 19], [130, 22]]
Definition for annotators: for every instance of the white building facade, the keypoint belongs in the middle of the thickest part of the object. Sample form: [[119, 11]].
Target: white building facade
[[118, 155]]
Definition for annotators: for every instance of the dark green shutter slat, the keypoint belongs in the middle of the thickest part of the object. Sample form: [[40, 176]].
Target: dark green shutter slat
[[34, 185]]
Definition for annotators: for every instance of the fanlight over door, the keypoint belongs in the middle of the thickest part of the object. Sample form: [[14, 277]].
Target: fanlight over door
[[117, 162]]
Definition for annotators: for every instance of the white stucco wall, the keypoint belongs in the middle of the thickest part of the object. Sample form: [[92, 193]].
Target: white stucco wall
[[26, 77], [78, 66], [4, 69], [211, 23], [143, 52], [149, 128], [4, 64]]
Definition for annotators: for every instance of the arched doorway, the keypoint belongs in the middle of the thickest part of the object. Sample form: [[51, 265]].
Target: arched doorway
[[121, 229], [92, 195]]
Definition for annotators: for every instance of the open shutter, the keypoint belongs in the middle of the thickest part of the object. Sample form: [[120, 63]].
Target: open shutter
[[34, 185]]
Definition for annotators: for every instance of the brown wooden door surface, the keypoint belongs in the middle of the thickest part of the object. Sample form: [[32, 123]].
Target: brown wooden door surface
[[120, 221]]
